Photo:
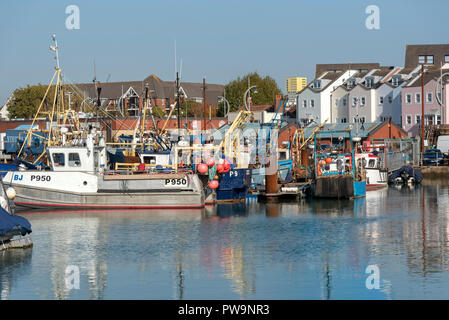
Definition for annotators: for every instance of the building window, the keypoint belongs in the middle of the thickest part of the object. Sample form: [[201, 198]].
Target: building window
[[304, 103], [58, 159], [409, 119], [336, 102], [343, 120], [362, 101], [74, 160], [344, 102], [312, 103], [390, 99], [425, 59], [446, 58], [381, 100], [428, 120], [417, 97], [417, 119], [362, 119], [408, 98], [354, 101], [395, 81], [438, 119], [429, 97]]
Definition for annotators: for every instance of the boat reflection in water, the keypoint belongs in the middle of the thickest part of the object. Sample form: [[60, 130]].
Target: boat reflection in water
[[300, 250]]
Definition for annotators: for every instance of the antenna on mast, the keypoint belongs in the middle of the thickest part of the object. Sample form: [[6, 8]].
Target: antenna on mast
[[55, 49]]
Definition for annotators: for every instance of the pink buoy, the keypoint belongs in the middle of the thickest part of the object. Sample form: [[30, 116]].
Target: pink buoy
[[202, 168], [213, 184], [210, 162]]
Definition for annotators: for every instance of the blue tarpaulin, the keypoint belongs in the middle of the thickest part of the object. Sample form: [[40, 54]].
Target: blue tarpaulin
[[9, 223]]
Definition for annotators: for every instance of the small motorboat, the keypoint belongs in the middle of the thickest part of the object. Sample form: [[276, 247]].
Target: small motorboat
[[405, 175], [14, 230]]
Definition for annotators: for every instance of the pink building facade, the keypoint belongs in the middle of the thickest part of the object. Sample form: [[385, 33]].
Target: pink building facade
[[412, 105]]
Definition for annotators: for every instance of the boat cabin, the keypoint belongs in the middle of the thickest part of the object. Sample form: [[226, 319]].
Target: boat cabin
[[162, 158], [77, 159]]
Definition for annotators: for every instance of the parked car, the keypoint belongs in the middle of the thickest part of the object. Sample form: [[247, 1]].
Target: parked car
[[433, 157]]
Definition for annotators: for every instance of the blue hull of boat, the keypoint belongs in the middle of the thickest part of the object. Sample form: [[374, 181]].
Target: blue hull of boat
[[234, 185]]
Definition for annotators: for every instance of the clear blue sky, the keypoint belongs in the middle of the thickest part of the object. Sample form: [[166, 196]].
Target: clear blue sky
[[216, 39]]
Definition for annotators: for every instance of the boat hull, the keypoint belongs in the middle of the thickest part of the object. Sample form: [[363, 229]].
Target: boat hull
[[234, 185], [338, 187]]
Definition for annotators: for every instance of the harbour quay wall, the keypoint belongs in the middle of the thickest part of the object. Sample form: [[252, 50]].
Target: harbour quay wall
[[434, 172]]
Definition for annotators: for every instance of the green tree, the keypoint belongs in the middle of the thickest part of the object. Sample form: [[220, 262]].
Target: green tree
[[26, 101], [267, 89]]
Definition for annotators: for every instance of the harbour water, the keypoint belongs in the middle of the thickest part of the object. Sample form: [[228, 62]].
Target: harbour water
[[306, 250]]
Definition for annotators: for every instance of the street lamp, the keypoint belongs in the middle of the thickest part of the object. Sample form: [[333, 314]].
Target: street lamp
[[246, 93], [424, 62], [226, 105], [439, 99]]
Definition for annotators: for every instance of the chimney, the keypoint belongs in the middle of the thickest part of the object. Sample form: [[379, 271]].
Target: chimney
[[277, 101]]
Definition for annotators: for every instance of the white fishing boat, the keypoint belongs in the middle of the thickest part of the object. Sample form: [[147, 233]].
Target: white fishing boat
[[376, 177], [79, 177]]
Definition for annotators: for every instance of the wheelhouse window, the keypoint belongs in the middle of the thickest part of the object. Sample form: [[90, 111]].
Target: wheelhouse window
[[58, 159], [74, 160]]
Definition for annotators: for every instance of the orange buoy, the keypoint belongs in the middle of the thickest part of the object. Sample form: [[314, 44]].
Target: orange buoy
[[220, 168], [210, 162], [202, 168], [226, 166], [213, 184], [328, 160]]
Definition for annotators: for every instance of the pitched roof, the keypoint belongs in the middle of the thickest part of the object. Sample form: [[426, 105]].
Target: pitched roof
[[429, 75], [439, 51], [158, 89], [363, 130], [321, 68]]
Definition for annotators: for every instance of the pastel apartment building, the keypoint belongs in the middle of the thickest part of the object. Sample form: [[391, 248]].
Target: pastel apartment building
[[293, 85], [434, 113], [435, 58], [314, 102]]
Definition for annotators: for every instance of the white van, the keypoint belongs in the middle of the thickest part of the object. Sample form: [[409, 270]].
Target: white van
[[443, 144]]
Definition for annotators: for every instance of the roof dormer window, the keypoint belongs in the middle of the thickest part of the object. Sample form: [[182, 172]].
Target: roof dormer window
[[317, 84], [369, 82], [351, 82], [395, 80]]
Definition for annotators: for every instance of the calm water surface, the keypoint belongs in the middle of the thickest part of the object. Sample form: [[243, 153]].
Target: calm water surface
[[305, 250]]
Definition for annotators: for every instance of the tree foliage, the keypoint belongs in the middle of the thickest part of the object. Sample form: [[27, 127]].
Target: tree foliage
[[25, 101], [267, 89]]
